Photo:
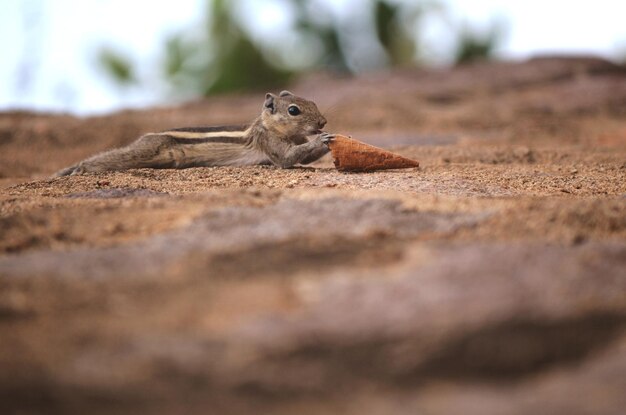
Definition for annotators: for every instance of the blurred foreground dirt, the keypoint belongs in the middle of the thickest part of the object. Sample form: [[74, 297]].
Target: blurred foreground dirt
[[491, 280]]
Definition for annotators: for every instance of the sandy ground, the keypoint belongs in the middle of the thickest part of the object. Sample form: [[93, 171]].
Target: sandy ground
[[492, 279]]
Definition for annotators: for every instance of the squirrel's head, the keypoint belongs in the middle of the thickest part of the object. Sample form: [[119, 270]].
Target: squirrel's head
[[291, 115]]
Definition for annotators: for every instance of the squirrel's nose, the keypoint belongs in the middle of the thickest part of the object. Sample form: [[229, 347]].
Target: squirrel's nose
[[322, 122]]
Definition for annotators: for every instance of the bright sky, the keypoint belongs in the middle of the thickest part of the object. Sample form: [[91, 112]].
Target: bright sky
[[541, 26], [49, 54]]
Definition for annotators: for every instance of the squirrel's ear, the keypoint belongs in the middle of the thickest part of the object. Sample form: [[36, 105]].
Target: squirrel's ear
[[285, 94], [269, 102]]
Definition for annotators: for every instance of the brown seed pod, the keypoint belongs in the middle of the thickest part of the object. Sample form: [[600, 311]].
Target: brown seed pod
[[353, 155]]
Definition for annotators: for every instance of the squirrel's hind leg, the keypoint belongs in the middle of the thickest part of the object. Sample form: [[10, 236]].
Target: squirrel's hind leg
[[152, 150]]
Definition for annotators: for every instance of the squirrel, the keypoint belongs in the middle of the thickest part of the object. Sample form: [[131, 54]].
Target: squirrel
[[278, 136]]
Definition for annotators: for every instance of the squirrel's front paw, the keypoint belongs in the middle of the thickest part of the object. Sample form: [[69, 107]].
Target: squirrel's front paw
[[326, 138]]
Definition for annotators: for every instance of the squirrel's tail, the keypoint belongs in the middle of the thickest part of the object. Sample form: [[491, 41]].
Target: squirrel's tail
[[66, 171]]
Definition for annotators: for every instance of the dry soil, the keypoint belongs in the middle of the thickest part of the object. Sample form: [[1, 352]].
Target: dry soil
[[491, 280]]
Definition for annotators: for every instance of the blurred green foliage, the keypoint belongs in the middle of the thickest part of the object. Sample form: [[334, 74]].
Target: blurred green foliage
[[117, 65], [325, 32], [397, 27], [223, 56], [474, 45], [398, 44]]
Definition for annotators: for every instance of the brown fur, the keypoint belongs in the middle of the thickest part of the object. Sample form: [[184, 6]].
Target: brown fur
[[275, 137]]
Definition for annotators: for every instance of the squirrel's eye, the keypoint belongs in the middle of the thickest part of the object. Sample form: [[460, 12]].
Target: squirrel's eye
[[293, 110]]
